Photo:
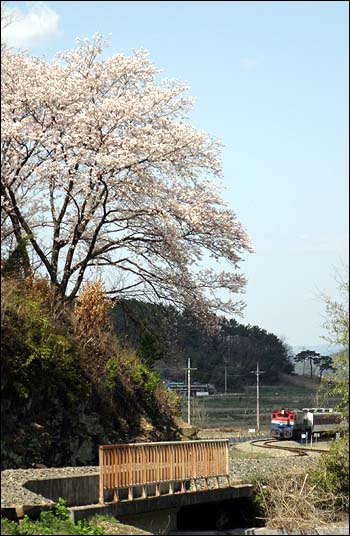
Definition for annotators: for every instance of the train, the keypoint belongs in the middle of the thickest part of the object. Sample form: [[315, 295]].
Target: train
[[197, 389], [295, 423]]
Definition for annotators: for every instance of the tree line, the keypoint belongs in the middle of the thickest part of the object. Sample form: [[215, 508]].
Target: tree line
[[166, 337]]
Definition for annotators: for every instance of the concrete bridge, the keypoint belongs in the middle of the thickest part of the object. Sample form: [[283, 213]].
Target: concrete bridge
[[151, 485], [161, 514]]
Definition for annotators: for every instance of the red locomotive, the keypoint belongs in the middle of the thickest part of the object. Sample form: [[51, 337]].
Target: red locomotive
[[289, 423], [282, 423]]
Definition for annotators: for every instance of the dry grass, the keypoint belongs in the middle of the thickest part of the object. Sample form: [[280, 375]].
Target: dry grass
[[294, 502], [198, 412], [92, 311]]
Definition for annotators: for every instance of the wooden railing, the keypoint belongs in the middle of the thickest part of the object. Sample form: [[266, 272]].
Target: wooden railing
[[148, 465]]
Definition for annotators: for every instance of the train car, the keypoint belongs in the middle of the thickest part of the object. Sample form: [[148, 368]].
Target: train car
[[288, 424], [317, 420], [197, 389], [282, 423]]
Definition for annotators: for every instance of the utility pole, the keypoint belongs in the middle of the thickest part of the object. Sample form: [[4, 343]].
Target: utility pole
[[189, 389], [225, 369], [257, 372], [227, 355]]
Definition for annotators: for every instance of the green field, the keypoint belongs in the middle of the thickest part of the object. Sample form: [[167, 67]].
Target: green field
[[237, 410]]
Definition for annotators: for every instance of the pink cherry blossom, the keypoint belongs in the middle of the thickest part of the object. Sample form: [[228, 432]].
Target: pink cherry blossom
[[102, 172]]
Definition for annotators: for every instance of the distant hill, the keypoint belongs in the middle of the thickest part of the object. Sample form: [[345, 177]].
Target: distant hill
[[323, 349]]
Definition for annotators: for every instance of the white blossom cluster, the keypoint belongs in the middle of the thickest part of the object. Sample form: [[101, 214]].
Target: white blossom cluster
[[101, 168]]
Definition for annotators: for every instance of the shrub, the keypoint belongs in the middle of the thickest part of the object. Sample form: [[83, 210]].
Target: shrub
[[52, 522], [294, 501], [306, 500], [38, 349], [94, 387], [92, 312], [332, 474], [147, 380], [112, 370], [167, 401], [39, 362]]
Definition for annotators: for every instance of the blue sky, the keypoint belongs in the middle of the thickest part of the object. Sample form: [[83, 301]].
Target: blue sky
[[271, 80]]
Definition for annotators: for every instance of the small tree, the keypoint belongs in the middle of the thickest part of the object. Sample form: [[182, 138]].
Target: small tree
[[307, 355], [324, 363], [150, 348], [17, 264], [337, 327]]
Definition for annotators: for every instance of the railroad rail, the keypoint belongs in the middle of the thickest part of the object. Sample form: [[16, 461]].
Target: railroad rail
[[148, 465], [270, 444]]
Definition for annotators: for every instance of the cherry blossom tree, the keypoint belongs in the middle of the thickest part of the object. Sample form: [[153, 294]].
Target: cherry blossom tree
[[101, 171]]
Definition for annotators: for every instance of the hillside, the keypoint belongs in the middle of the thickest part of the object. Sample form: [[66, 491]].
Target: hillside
[[68, 384]]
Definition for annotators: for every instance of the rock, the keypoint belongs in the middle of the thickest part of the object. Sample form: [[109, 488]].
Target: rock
[[38, 427], [189, 432]]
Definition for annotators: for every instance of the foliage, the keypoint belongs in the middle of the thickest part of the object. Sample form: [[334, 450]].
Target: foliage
[[337, 322], [39, 362], [166, 401], [324, 364], [53, 522], [338, 381], [150, 348], [92, 309], [175, 336], [337, 327], [60, 510], [147, 380], [17, 264], [84, 527], [304, 500], [101, 170], [307, 355], [100, 520], [96, 390], [199, 414], [332, 474], [37, 348], [112, 372]]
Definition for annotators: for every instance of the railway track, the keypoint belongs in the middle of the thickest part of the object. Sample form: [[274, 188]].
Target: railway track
[[271, 444]]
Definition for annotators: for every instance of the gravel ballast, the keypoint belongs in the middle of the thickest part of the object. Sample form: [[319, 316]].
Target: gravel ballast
[[12, 480]]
